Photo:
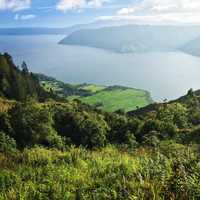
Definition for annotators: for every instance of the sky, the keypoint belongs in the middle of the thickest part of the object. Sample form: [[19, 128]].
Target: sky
[[63, 13]]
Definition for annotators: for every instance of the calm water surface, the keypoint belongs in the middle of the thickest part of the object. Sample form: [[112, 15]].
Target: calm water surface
[[165, 75]]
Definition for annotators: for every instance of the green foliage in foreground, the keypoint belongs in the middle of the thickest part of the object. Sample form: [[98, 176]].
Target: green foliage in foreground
[[36, 174], [56, 124], [64, 151]]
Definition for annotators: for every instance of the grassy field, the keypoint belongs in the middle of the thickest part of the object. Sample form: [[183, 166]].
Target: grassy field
[[112, 100], [92, 88], [106, 98], [106, 174]]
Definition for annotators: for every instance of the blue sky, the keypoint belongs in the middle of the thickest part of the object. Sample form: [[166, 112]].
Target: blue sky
[[48, 13], [62, 13]]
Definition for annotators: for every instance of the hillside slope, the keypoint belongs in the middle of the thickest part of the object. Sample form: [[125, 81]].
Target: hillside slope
[[192, 97], [115, 98], [19, 84]]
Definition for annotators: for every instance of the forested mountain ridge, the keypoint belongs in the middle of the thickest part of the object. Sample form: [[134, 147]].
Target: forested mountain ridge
[[19, 84]]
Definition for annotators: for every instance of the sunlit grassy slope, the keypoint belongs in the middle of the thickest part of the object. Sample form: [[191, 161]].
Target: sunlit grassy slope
[[106, 98], [118, 98], [92, 87]]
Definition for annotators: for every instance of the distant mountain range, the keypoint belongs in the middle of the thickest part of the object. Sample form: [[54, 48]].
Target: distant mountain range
[[61, 31], [136, 38], [122, 36], [34, 31]]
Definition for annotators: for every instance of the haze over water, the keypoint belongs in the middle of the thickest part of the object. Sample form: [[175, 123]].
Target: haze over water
[[165, 74]]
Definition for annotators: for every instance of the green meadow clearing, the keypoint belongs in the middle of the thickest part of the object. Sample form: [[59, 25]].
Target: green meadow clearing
[[107, 98], [116, 98]]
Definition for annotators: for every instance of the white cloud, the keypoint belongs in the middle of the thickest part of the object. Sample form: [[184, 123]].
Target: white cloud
[[126, 11], [24, 17], [65, 5], [96, 3], [14, 5], [169, 6], [161, 11]]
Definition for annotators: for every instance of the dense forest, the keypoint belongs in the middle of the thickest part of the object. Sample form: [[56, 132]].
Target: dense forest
[[18, 83], [51, 148]]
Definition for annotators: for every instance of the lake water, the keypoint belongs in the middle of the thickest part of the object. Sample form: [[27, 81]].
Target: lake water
[[165, 75]]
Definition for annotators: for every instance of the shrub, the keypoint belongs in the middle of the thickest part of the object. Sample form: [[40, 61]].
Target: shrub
[[83, 128], [33, 125], [7, 144]]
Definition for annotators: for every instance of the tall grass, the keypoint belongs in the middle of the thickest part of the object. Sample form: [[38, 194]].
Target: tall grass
[[109, 173]]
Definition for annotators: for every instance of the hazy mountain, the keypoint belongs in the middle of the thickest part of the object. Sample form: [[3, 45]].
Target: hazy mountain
[[32, 31], [192, 47], [134, 38], [65, 30]]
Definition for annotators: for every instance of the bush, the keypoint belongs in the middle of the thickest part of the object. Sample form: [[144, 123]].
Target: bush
[[7, 144], [83, 128], [151, 140], [174, 113], [33, 125]]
